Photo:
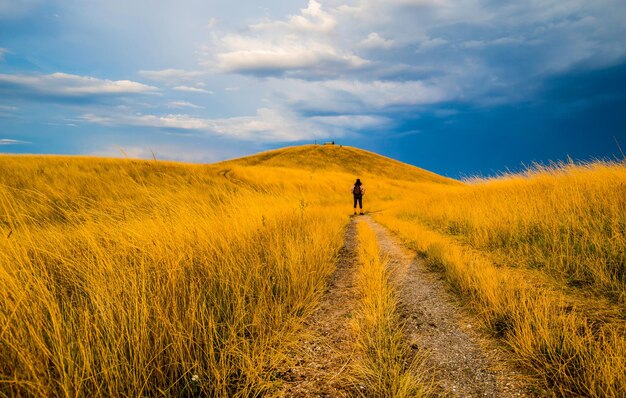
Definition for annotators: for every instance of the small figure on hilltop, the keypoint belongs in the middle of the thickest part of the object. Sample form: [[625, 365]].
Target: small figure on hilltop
[[358, 190]]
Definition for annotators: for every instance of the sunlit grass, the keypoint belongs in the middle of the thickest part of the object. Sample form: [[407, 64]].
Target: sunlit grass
[[567, 221], [540, 257], [129, 278], [125, 277]]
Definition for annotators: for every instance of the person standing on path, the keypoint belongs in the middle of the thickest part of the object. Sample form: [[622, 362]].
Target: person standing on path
[[358, 190]]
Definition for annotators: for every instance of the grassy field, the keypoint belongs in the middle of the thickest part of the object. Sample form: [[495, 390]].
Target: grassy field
[[128, 277], [124, 277], [541, 258]]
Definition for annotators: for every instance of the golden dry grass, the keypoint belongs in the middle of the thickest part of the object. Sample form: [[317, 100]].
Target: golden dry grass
[[567, 221], [540, 257], [127, 278]]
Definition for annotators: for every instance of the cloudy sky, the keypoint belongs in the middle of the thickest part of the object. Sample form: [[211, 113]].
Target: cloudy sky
[[460, 87]]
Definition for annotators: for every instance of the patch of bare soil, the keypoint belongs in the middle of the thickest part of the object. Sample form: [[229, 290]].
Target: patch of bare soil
[[465, 363], [322, 360]]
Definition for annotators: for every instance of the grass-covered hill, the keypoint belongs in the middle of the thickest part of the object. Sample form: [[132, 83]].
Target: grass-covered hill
[[125, 277], [342, 159]]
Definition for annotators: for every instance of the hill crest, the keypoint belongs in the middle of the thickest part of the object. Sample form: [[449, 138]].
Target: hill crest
[[340, 158]]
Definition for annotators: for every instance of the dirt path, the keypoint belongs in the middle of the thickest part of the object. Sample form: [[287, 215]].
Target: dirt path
[[465, 364], [322, 362]]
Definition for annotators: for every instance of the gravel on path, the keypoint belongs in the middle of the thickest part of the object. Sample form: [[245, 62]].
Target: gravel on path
[[465, 362]]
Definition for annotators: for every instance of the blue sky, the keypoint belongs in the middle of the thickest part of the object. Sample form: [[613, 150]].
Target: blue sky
[[462, 88]]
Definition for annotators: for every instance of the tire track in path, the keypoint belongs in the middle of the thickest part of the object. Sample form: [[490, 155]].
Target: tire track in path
[[465, 363]]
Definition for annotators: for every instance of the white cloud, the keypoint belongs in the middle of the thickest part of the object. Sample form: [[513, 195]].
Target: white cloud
[[502, 41], [420, 11], [352, 122], [67, 85], [312, 19], [8, 141], [357, 96], [474, 44], [192, 89], [389, 93], [3, 51], [62, 124], [260, 56], [375, 41], [183, 104], [303, 44], [163, 151], [171, 75], [267, 125]]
